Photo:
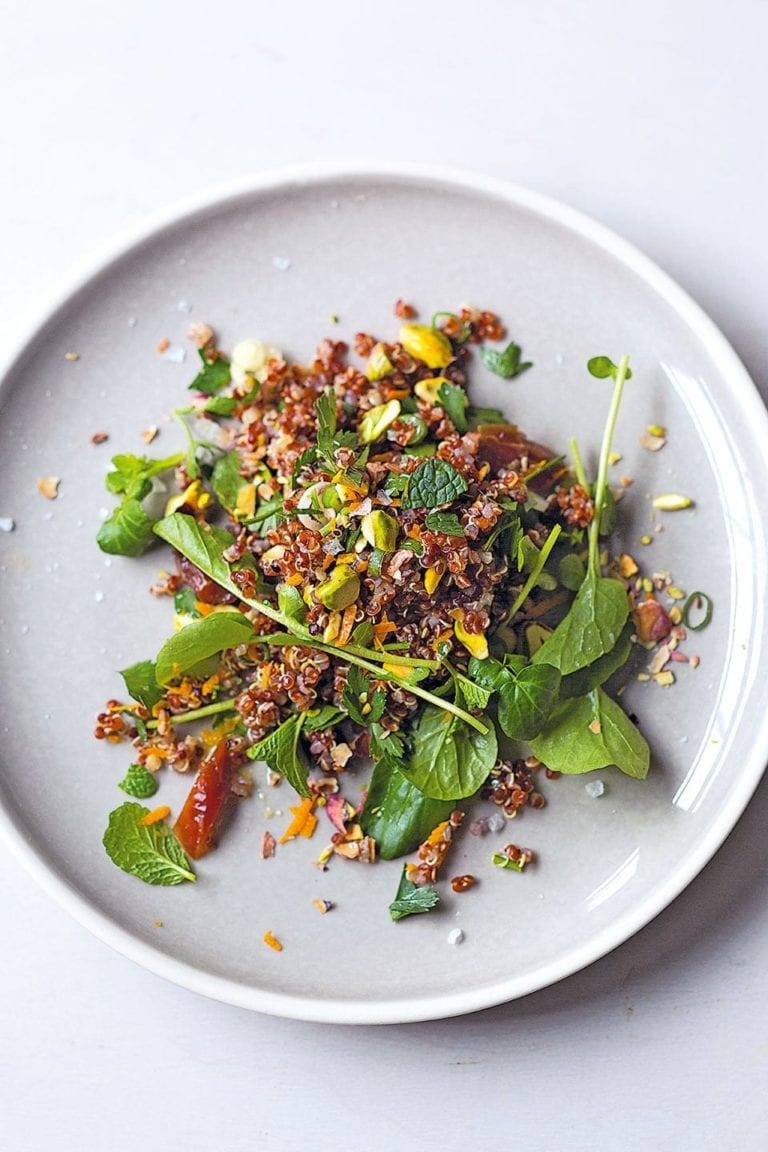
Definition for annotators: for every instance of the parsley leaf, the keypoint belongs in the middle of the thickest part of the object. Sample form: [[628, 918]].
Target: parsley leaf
[[284, 752], [434, 484], [214, 375], [410, 899], [149, 851], [139, 782], [507, 363], [447, 522], [357, 694]]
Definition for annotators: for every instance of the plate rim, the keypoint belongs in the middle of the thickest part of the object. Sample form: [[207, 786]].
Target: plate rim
[[393, 1010]]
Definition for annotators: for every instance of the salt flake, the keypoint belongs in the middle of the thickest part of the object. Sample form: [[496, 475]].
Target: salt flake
[[456, 936], [7, 524], [594, 788], [282, 263], [175, 353]]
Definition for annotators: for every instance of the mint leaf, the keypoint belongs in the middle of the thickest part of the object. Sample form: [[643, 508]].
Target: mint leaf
[[507, 363], [283, 751], [139, 782], [454, 401], [434, 484], [326, 716], [410, 899], [141, 683], [150, 852], [447, 522], [214, 375]]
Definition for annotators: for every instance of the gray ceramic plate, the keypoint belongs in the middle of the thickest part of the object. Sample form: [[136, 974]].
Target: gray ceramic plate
[[355, 241]]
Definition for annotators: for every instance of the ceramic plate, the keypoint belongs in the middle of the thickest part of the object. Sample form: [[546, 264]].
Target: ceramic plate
[[273, 258]]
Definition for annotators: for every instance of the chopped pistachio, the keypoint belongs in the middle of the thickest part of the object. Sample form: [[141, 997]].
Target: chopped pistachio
[[380, 530], [379, 364], [671, 502], [665, 679], [427, 344], [675, 593], [341, 589], [474, 642], [245, 502], [614, 457], [656, 430], [376, 421], [432, 578], [652, 443], [428, 390], [646, 539]]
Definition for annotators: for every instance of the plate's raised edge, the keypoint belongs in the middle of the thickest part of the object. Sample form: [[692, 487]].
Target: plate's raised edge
[[750, 773]]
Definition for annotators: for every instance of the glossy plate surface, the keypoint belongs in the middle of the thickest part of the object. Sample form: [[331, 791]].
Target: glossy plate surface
[[274, 257]]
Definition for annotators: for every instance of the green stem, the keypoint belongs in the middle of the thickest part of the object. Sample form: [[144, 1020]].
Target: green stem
[[385, 657], [199, 713], [578, 464], [191, 454], [538, 568], [602, 469]]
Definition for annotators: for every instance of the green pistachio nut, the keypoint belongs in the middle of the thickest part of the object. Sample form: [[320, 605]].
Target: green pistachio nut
[[379, 364], [419, 427], [427, 344], [380, 530], [375, 422], [341, 589]]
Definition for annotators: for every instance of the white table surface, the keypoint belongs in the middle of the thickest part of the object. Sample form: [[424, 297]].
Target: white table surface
[[648, 115]]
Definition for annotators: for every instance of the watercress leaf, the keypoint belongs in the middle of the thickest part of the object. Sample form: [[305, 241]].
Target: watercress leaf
[[326, 716], [454, 401], [411, 899], [141, 682], [139, 782], [590, 628], [583, 681], [213, 376], [507, 363], [198, 641], [149, 851], [592, 732], [449, 760], [446, 522], [397, 814], [609, 514], [284, 752], [603, 367], [434, 484], [362, 635], [227, 481], [527, 699], [488, 673], [127, 531]]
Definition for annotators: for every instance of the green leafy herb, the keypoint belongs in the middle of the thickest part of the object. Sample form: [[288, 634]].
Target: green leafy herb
[[397, 814], [454, 401], [326, 716], [141, 683], [268, 515], [478, 416], [363, 705], [449, 761], [185, 603], [203, 638], [507, 363], [284, 752], [475, 696], [410, 899], [590, 628], [226, 480], [291, 603], [221, 405], [127, 531], [501, 860], [571, 571], [434, 484], [604, 368], [149, 851], [139, 782], [600, 670], [537, 568], [592, 732], [526, 700], [447, 522], [214, 375]]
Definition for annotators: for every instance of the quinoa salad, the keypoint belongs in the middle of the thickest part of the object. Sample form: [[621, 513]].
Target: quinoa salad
[[390, 604]]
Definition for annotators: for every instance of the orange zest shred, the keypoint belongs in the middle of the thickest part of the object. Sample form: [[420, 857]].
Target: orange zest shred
[[436, 835], [272, 942], [304, 821], [156, 815]]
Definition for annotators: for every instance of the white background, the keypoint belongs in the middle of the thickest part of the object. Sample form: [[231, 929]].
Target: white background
[[648, 115]]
